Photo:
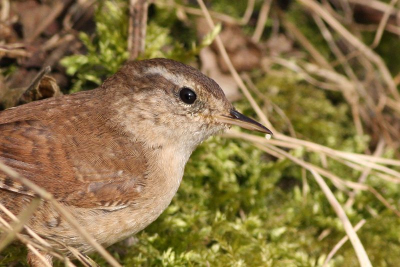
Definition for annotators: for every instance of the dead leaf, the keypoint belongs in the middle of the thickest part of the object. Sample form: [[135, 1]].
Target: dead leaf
[[211, 69], [243, 52]]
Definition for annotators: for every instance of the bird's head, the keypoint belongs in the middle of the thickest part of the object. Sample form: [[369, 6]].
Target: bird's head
[[170, 102]]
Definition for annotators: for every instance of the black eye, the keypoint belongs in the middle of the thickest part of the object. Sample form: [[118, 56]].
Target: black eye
[[187, 95]]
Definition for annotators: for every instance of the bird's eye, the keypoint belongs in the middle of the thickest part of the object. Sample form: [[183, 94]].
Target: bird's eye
[[187, 95]]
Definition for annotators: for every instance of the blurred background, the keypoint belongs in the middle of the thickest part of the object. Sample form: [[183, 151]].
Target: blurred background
[[324, 75]]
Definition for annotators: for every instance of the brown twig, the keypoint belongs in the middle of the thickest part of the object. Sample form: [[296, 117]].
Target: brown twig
[[316, 55], [371, 55], [137, 27], [262, 19], [351, 96], [249, 11], [56, 10], [365, 173], [383, 23], [232, 70], [5, 10], [35, 82], [267, 102]]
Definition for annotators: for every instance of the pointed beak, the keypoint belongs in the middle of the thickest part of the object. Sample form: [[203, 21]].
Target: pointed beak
[[236, 118]]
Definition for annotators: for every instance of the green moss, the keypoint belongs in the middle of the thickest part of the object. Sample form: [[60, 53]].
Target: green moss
[[388, 49], [226, 7], [238, 206], [14, 255], [106, 50], [312, 114]]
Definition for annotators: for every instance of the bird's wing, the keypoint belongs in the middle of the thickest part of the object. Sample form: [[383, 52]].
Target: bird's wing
[[78, 168]]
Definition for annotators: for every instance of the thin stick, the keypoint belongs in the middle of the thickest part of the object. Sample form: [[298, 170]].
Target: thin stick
[[371, 55], [382, 24], [5, 10], [249, 10], [317, 56], [131, 28], [365, 173], [232, 69], [39, 255], [266, 145], [350, 95], [56, 10], [137, 27], [34, 84], [30, 232], [262, 19], [351, 233], [341, 243], [22, 219]]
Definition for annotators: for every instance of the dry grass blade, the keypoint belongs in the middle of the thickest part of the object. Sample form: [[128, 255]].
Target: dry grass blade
[[64, 213], [28, 230], [335, 153], [351, 96], [268, 103], [296, 68], [292, 143], [30, 245], [85, 260], [341, 184], [363, 258], [22, 219], [56, 10], [197, 12], [249, 11], [341, 243], [351, 233], [233, 71], [371, 55], [365, 173], [39, 255], [5, 10], [382, 24], [262, 19], [360, 251], [292, 28]]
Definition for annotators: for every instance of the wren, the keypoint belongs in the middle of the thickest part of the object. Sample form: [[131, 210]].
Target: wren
[[113, 156]]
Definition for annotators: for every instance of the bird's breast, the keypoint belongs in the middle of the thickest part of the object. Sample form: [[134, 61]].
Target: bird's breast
[[163, 177]]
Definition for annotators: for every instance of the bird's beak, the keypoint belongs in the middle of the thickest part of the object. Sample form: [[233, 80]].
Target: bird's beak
[[236, 118]]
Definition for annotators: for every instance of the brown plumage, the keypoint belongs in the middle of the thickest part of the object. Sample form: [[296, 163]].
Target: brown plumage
[[113, 156]]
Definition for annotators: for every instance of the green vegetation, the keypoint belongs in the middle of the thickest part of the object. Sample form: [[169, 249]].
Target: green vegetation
[[107, 49], [238, 206]]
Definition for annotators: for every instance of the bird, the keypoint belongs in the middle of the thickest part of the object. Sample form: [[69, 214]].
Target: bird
[[113, 156]]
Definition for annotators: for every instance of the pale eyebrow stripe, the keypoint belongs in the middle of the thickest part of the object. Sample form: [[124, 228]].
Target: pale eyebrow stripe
[[165, 73], [177, 79]]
